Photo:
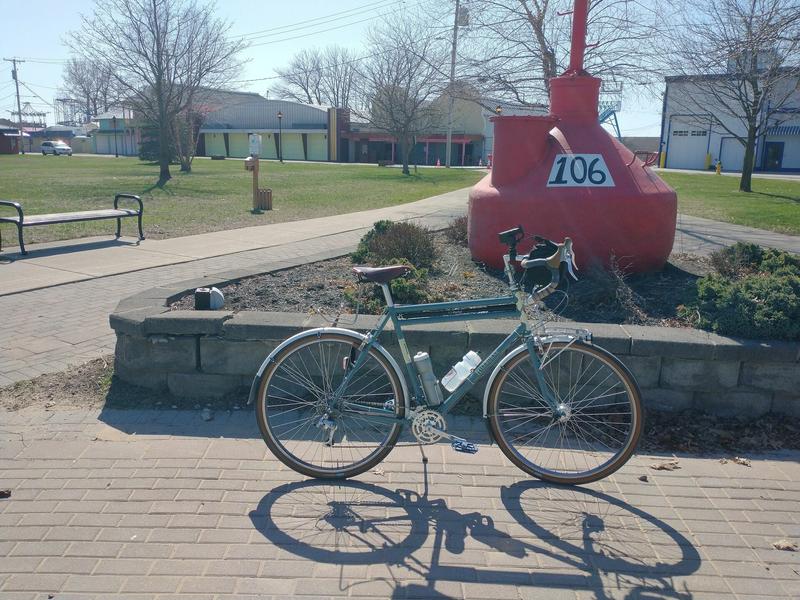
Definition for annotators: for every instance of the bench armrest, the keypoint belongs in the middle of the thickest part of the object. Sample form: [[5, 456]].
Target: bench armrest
[[130, 196], [15, 205]]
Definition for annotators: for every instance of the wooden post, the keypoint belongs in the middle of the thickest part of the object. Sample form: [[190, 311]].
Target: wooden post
[[256, 203]]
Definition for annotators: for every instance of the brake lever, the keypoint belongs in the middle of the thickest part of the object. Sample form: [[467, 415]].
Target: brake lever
[[570, 264], [570, 258]]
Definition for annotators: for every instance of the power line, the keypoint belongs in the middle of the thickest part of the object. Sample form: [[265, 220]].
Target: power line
[[37, 95], [45, 61], [304, 35], [329, 66], [337, 16]]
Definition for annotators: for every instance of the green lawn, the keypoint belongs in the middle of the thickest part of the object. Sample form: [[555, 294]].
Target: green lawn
[[773, 204], [216, 195]]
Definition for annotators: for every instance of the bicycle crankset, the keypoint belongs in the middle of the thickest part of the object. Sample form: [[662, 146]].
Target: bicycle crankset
[[428, 426]]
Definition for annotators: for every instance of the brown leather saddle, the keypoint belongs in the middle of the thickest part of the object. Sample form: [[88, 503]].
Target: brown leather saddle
[[381, 274]]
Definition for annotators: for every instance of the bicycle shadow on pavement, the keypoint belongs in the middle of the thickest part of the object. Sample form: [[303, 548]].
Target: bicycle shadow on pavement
[[545, 536]]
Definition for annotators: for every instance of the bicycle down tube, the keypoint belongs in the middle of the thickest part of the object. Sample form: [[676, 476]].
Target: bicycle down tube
[[440, 312]]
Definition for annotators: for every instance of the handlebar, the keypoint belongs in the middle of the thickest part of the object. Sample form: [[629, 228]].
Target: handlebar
[[563, 254]]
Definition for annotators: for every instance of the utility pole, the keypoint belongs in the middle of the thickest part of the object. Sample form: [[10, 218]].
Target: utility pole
[[448, 149], [19, 107]]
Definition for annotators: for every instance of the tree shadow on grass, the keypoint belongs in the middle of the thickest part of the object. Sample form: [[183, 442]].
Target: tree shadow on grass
[[160, 185], [778, 196]]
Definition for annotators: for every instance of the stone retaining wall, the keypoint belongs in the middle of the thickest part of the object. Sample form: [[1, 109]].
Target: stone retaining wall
[[208, 354]]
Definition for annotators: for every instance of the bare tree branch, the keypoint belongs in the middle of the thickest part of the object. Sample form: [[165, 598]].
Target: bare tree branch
[[400, 82]]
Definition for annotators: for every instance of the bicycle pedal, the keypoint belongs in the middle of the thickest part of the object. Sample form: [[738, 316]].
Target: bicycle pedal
[[464, 446]]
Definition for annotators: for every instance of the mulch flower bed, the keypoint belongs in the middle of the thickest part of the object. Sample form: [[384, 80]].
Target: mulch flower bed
[[649, 299]]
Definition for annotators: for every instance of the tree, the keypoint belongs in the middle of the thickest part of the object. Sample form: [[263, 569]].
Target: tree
[[302, 79], [339, 76], [160, 52], [316, 76], [513, 47], [739, 65], [400, 81], [91, 85]]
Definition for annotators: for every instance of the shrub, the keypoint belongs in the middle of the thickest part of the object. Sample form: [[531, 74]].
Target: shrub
[[761, 305], [755, 293], [387, 242], [456, 232], [609, 291], [411, 289], [737, 260], [362, 251]]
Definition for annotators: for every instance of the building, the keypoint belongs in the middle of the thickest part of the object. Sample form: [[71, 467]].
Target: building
[[117, 133], [692, 138], [9, 140], [321, 133], [229, 117]]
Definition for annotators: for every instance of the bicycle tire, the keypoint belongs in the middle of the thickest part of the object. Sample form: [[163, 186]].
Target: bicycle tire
[[310, 398], [581, 416]]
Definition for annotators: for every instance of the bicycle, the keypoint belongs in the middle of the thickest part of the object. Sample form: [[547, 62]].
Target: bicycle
[[332, 402]]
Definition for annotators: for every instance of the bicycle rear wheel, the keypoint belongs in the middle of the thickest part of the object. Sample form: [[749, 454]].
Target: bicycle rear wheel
[[595, 427], [310, 430]]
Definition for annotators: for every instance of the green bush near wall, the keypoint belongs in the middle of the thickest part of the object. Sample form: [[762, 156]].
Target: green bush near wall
[[754, 293]]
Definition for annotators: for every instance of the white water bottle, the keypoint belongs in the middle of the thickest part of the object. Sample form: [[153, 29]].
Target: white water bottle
[[460, 371]]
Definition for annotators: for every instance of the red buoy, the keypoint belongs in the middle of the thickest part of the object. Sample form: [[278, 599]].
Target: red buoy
[[564, 175]]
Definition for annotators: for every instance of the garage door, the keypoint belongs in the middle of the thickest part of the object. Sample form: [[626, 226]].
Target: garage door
[[732, 154], [687, 147]]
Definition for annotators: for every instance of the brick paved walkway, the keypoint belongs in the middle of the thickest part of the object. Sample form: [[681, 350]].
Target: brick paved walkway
[[48, 329], [150, 504], [63, 325]]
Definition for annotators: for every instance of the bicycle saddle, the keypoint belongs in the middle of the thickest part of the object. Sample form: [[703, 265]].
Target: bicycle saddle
[[381, 274]]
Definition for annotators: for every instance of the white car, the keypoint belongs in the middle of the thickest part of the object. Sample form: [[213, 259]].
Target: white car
[[56, 148]]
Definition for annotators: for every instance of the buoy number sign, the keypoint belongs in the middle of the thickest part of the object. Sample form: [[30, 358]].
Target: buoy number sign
[[579, 170]]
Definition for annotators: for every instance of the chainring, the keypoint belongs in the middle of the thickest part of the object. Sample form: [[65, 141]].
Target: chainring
[[423, 426]]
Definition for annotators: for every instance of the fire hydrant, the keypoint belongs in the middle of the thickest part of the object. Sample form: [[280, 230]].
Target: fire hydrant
[[718, 170]]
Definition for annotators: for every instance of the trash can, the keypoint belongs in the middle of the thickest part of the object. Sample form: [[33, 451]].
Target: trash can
[[263, 199]]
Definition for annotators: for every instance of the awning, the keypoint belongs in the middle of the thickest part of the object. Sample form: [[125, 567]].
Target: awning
[[785, 130]]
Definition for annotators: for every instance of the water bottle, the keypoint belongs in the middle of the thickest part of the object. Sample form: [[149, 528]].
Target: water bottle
[[460, 371], [429, 382]]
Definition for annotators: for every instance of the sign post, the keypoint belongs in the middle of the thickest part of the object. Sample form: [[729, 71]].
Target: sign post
[[262, 198]]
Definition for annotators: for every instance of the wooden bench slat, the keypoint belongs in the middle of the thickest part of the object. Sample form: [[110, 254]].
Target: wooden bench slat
[[87, 215]]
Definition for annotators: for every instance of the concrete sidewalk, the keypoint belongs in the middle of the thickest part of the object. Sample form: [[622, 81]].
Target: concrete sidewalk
[[161, 504], [62, 262]]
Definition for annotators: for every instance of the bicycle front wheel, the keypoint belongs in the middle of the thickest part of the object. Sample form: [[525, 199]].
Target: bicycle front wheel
[[590, 432], [316, 424]]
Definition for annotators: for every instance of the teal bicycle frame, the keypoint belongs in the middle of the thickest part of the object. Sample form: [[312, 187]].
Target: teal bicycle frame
[[444, 312]]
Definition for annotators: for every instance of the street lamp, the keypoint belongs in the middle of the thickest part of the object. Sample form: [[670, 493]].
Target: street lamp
[[280, 136], [114, 125]]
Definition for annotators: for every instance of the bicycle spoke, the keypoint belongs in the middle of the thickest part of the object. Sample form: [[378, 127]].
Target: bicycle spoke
[[589, 430], [317, 413]]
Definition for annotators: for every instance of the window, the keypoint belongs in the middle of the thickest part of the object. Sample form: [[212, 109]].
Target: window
[[699, 133], [680, 132]]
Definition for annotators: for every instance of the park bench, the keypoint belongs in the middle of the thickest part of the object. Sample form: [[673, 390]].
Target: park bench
[[21, 220]]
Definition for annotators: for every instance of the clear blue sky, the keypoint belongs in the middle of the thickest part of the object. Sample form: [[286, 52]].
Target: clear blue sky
[[34, 31]]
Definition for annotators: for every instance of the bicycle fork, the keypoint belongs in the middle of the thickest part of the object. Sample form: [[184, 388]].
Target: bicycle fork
[[561, 412]]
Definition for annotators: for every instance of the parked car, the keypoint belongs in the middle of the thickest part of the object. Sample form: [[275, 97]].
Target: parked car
[[56, 148]]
